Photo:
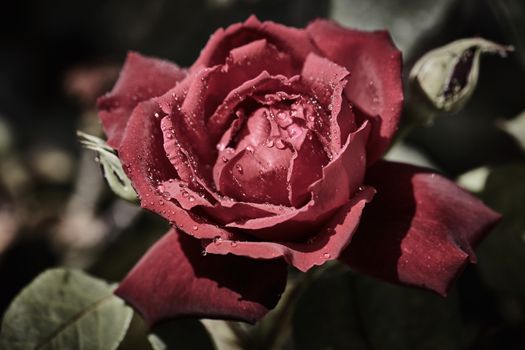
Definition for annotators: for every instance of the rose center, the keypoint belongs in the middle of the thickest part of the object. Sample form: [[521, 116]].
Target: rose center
[[257, 164]]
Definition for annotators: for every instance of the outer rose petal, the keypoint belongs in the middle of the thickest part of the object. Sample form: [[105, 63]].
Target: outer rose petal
[[291, 40], [174, 279], [419, 230], [375, 84], [141, 78], [325, 245], [147, 166]]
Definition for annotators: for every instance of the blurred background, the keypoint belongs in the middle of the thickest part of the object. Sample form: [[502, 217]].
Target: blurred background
[[55, 209]]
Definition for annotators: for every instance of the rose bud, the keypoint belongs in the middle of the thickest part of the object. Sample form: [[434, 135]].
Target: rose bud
[[266, 153], [444, 79]]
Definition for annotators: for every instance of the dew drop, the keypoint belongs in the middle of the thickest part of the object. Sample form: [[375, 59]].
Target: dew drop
[[249, 149], [233, 244], [281, 115], [326, 255], [184, 194], [191, 199], [161, 202], [239, 168], [224, 159], [217, 240], [157, 115], [195, 228], [204, 253], [279, 144], [269, 143]]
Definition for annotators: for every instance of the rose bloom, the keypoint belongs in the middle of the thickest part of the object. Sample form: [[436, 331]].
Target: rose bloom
[[265, 153]]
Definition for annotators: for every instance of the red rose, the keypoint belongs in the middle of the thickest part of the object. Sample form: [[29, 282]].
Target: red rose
[[265, 153]]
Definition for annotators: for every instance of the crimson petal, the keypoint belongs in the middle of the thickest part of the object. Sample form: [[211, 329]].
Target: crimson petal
[[146, 165], [328, 80], [141, 78], [326, 244], [258, 176], [174, 280], [293, 41], [346, 171], [419, 230], [375, 84]]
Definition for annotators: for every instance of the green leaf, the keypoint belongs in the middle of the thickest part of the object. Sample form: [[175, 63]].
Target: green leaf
[[65, 309], [111, 166], [501, 256], [181, 334], [342, 310], [444, 78]]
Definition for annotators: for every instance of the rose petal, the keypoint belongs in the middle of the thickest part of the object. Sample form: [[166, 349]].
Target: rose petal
[[419, 230], [175, 152], [218, 123], [246, 68], [222, 210], [258, 176], [325, 245], [306, 168], [146, 165], [328, 80], [290, 40], [341, 178], [141, 78], [174, 280], [322, 76], [375, 85], [211, 86]]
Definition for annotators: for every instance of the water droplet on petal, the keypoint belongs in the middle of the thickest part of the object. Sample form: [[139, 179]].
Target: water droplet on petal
[[204, 253], [281, 115], [269, 143], [195, 228], [279, 144], [217, 240], [326, 255], [239, 168], [191, 199], [233, 244]]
